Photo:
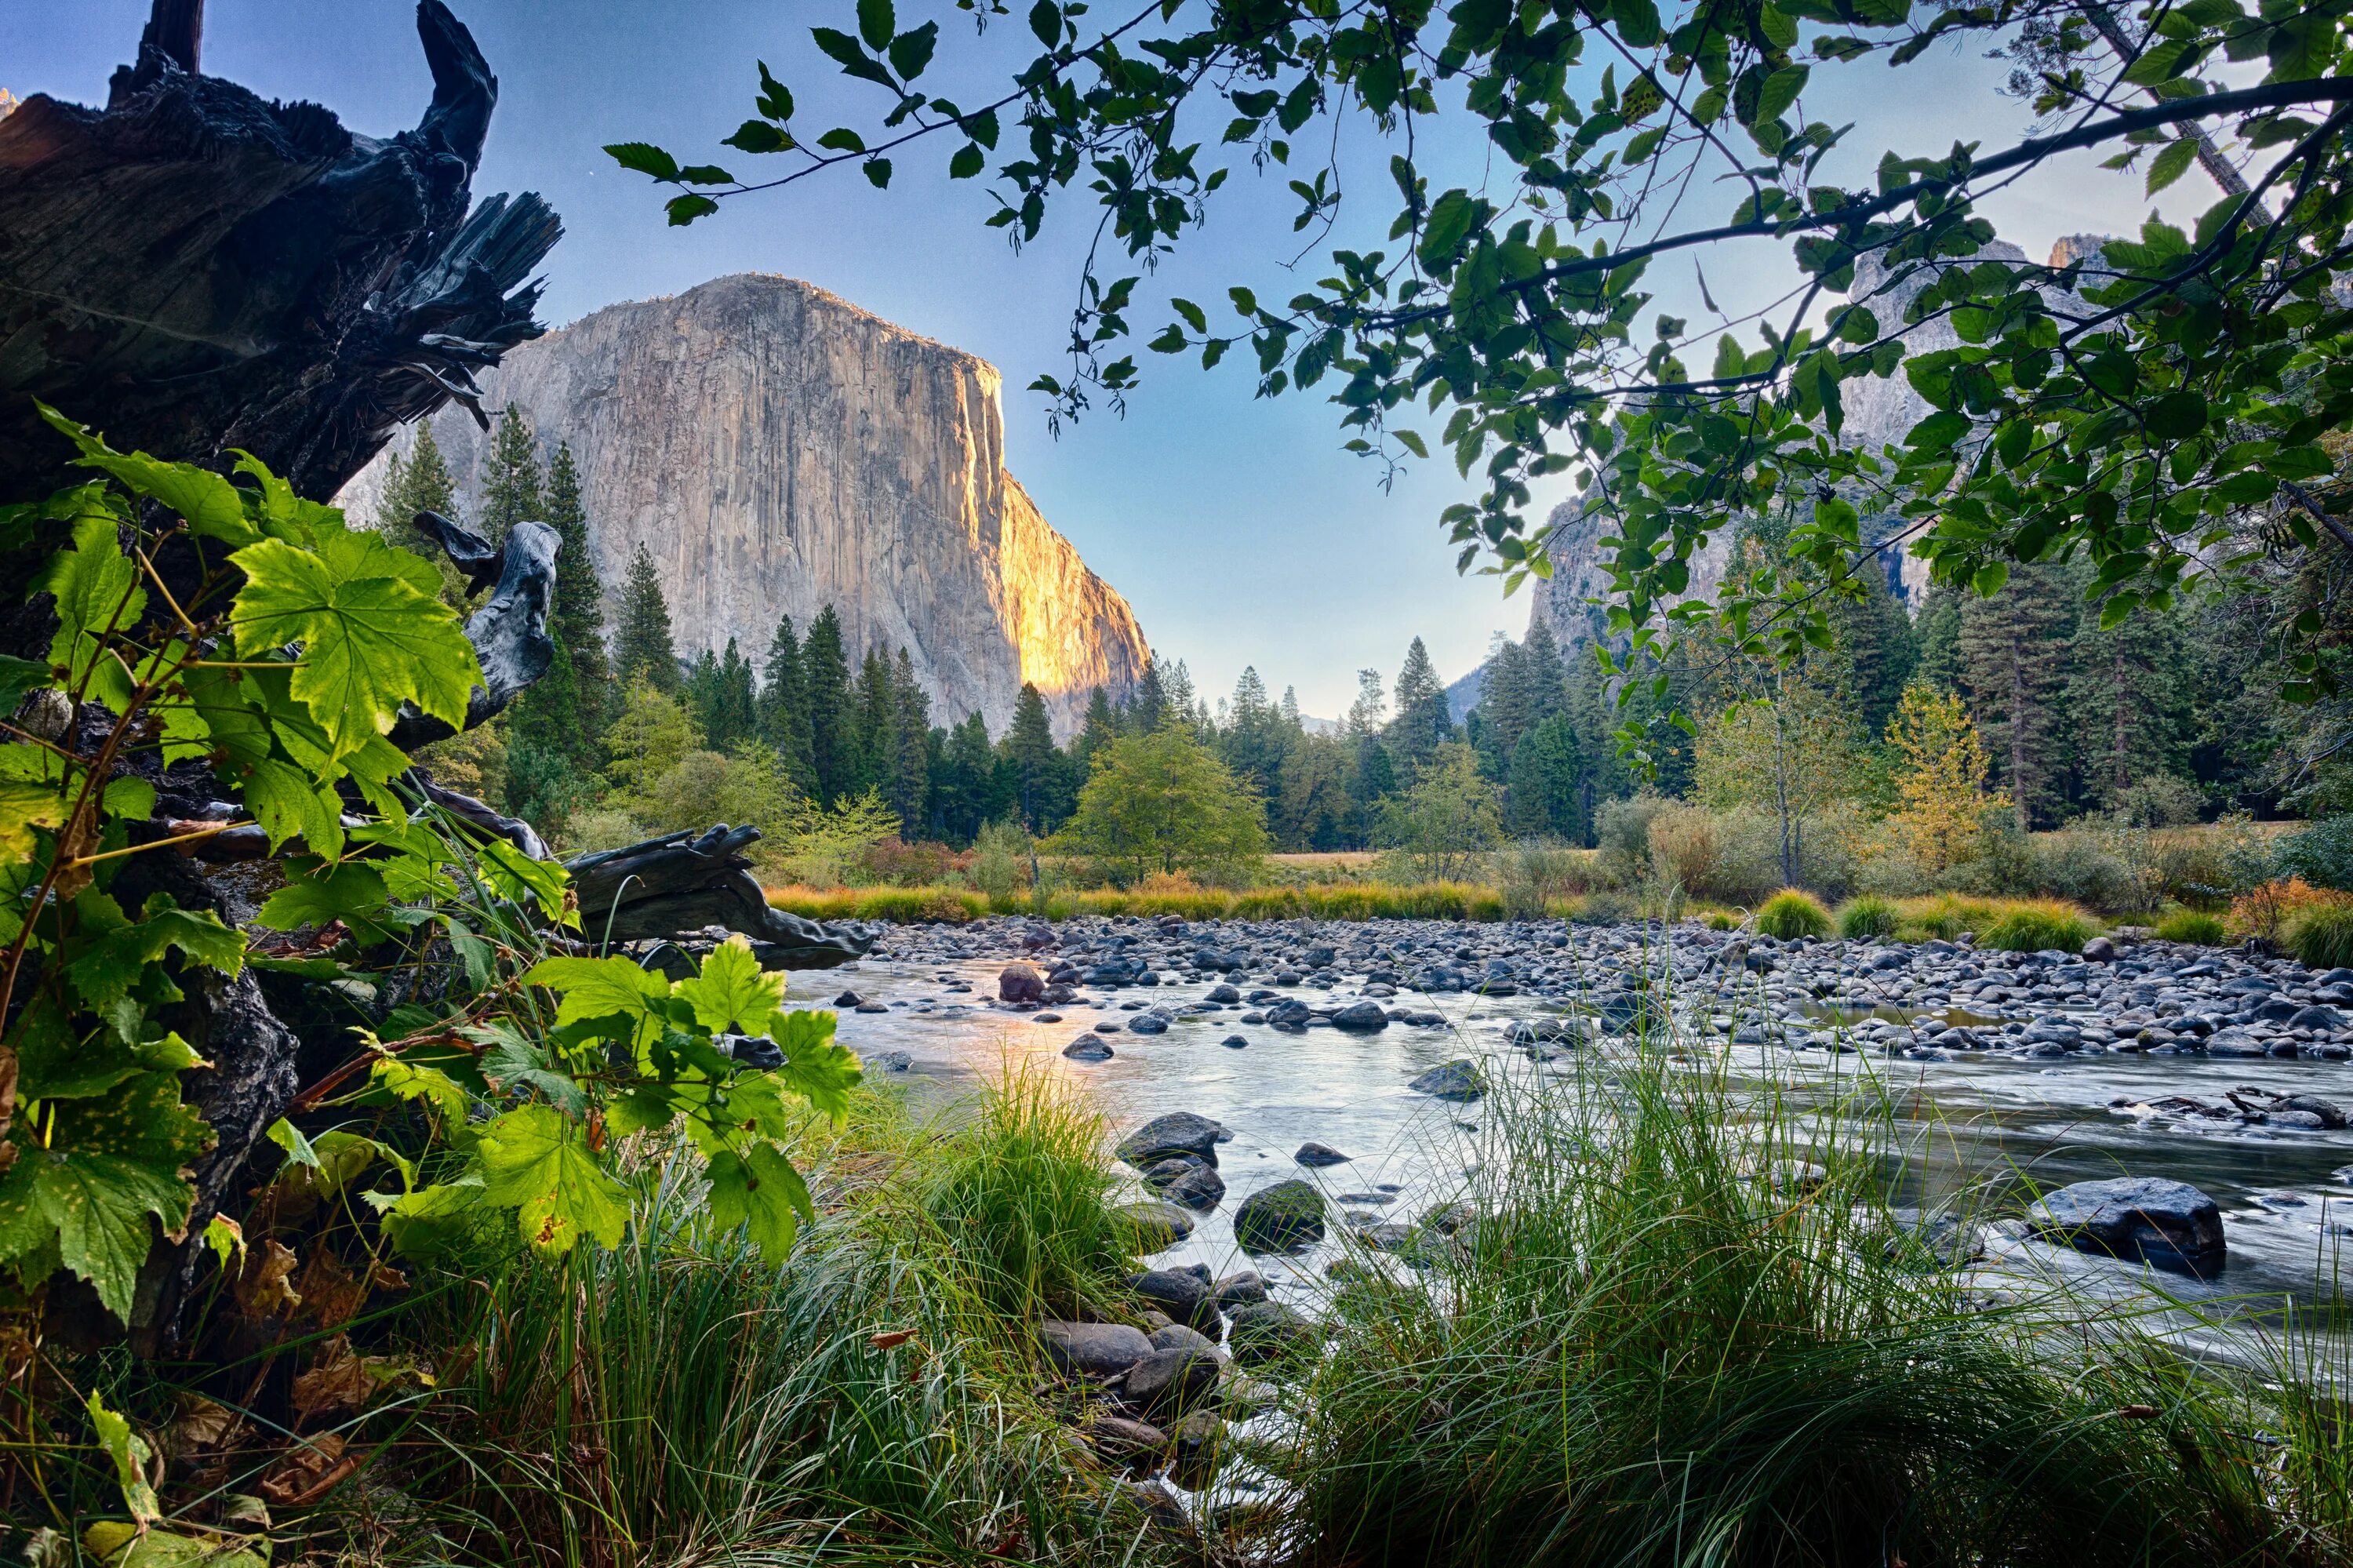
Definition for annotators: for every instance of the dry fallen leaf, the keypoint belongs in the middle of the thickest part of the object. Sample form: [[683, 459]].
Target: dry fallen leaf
[[262, 1288], [309, 1468], [891, 1339]]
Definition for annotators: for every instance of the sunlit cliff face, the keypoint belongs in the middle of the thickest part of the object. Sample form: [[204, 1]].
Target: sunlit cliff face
[[778, 449]]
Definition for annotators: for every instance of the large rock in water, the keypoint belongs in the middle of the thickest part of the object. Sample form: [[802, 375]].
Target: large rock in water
[[778, 449], [2169, 1224]]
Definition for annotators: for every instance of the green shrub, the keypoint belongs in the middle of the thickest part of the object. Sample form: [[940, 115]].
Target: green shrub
[[1868, 916], [2192, 925], [1718, 920], [2322, 935], [2322, 854], [1793, 912], [2034, 927]]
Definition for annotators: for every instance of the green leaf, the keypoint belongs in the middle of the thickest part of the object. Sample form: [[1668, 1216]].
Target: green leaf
[[877, 171], [209, 502], [538, 1162], [1779, 91], [1045, 22], [409, 1081], [758, 136], [776, 100], [645, 158], [97, 598], [968, 161], [370, 643], [353, 892], [911, 51], [18, 676], [1442, 231], [98, 1205], [290, 804], [2170, 163], [114, 955], [706, 174], [685, 210], [603, 988], [843, 139], [816, 1068], [290, 1139], [732, 993], [760, 1189], [876, 23], [130, 1456]]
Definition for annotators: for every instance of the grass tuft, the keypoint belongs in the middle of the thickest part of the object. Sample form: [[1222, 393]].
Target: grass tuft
[[1868, 915], [2033, 926], [2321, 936], [1793, 912], [2197, 926]]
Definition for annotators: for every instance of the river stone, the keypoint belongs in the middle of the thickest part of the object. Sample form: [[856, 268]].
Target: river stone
[[1281, 1217], [1147, 1024], [1195, 1441], [1318, 1155], [1267, 1330], [1087, 1048], [1198, 1188], [1179, 1132], [2318, 1016], [1122, 1441], [1240, 1289], [1361, 1018], [1455, 1080], [1168, 1382], [1224, 995], [888, 1062], [1180, 1293], [1177, 1336], [1021, 982], [1235, 1042], [2169, 1224], [1159, 1227], [1093, 1350]]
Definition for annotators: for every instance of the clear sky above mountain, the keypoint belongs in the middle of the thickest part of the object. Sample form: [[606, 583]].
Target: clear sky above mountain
[[1237, 527]]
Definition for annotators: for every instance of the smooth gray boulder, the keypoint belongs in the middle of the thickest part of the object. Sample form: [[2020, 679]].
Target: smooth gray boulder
[[1167, 1382], [1279, 1218], [1180, 1293], [2169, 1225], [1158, 1227], [1267, 1330], [1361, 1018], [1093, 1350], [1179, 1132], [1457, 1080], [1316, 1156]]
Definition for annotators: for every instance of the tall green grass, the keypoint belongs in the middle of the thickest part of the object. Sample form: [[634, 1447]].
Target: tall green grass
[[1648, 1350], [875, 1400], [1792, 912]]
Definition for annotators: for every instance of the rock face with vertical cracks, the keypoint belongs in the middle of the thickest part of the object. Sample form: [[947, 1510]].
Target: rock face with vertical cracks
[[776, 450], [195, 268]]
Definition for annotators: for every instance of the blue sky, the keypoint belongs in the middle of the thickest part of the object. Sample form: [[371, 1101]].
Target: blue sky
[[1237, 528]]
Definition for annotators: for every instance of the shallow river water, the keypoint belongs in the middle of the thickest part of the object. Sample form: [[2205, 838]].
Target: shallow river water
[[2048, 1121]]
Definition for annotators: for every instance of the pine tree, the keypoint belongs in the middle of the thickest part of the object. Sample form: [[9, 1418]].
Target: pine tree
[[1255, 743], [1034, 763], [908, 786], [704, 700], [785, 707], [1423, 721], [1874, 650], [641, 643], [833, 741], [511, 482], [874, 711], [2128, 708], [1372, 704], [1099, 730], [417, 482], [1544, 793], [734, 715], [2013, 651], [1372, 778], [1148, 709], [961, 787], [579, 617], [1937, 635]]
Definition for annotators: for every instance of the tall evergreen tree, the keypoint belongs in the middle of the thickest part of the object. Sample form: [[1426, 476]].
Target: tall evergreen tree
[[2013, 649], [1035, 767], [1255, 743], [2130, 703], [511, 482], [908, 786], [833, 740], [1422, 721], [1875, 649], [1372, 704], [419, 481], [961, 786], [1147, 710], [1097, 730], [642, 650], [1937, 635], [875, 714], [1545, 793], [785, 707], [733, 716], [567, 709]]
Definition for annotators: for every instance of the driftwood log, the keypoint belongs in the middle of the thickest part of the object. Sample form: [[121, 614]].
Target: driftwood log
[[194, 269], [684, 882]]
